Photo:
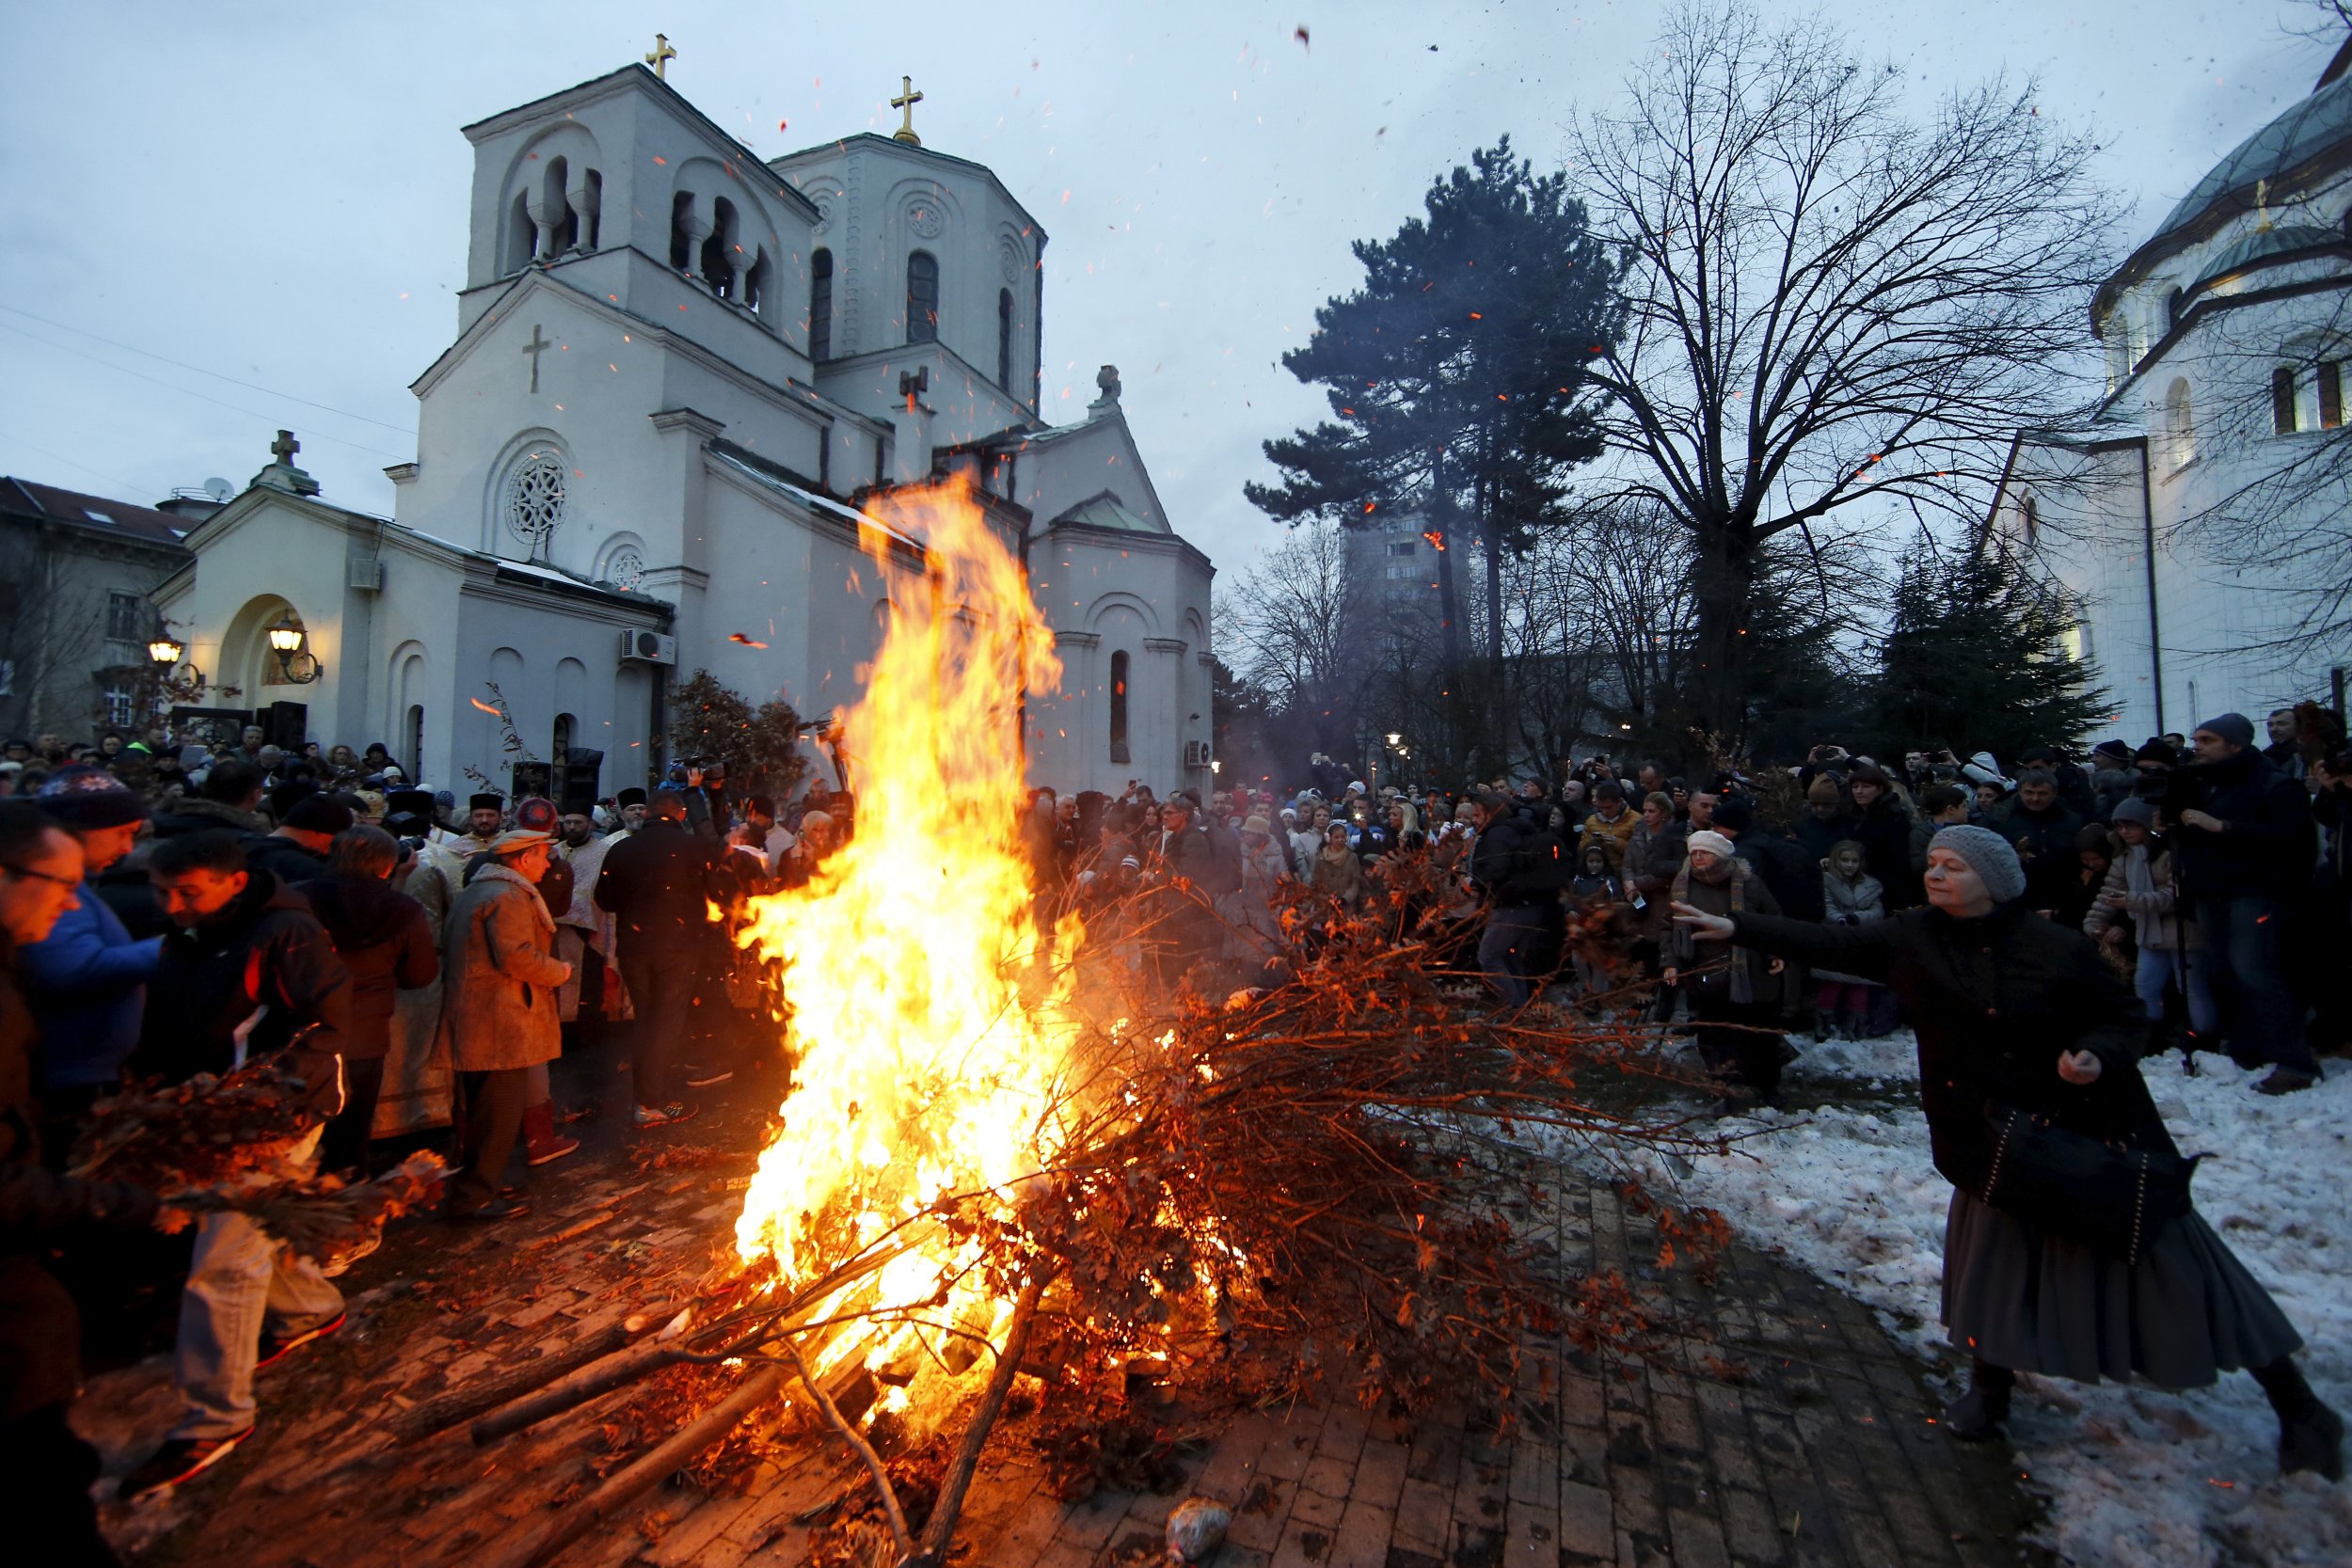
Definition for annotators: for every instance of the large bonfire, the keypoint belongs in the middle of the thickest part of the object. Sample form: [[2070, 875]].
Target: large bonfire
[[923, 1072]]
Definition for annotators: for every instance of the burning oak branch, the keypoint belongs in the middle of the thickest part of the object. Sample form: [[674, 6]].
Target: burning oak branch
[[1003, 1176]]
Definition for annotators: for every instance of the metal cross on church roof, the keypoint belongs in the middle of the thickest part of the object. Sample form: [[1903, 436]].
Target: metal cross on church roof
[[908, 98], [661, 56]]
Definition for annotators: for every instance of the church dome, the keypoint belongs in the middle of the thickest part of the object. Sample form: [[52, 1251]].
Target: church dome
[[2318, 124], [2285, 240]]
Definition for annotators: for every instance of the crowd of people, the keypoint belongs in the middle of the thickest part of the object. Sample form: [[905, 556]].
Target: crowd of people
[[420, 961]]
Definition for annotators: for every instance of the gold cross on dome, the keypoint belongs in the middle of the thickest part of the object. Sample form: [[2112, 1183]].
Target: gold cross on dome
[[908, 98], [661, 56]]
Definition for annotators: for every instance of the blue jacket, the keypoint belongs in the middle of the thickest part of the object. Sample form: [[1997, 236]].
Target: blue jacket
[[87, 983]]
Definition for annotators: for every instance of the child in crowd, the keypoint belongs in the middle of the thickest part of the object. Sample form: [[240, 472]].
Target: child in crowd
[[1849, 1006], [1593, 883]]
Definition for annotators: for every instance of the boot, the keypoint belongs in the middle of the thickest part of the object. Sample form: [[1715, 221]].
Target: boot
[[2310, 1435], [542, 1143], [1978, 1414]]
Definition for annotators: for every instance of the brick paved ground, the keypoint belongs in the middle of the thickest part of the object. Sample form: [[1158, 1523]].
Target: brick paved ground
[[1786, 1428]]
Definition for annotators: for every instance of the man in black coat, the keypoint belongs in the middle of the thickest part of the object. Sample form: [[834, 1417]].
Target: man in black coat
[[657, 883], [2043, 831], [248, 970], [2245, 855], [1520, 866], [294, 851], [1794, 877], [46, 1470]]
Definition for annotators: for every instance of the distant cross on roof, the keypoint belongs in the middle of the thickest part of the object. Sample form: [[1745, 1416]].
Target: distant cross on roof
[[659, 59], [284, 448], [537, 346], [908, 98]]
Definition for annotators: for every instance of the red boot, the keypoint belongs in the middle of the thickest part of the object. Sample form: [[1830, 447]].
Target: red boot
[[542, 1143]]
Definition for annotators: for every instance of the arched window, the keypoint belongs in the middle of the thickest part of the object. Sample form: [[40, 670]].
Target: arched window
[[1119, 707], [415, 741], [820, 305], [1004, 338], [681, 243], [596, 207], [2030, 518], [719, 269], [2179, 424], [561, 752], [2282, 401], [922, 297], [2173, 302], [523, 235]]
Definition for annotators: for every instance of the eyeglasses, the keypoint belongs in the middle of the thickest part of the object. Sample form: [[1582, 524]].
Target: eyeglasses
[[72, 882]]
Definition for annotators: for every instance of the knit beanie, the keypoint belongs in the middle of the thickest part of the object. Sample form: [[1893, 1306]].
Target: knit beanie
[[2133, 809], [1992, 858], [2236, 728], [1822, 791], [2156, 751], [1733, 812], [88, 797], [1714, 842]]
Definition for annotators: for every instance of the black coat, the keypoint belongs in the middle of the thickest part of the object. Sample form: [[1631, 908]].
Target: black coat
[[264, 948], [1884, 834], [1518, 861], [387, 945], [283, 859], [1795, 877], [2044, 841], [1993, 1000], [2266, 852], [658, 883]]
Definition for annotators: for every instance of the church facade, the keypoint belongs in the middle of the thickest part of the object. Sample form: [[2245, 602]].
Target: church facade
[[2169, 518], [682, 379]]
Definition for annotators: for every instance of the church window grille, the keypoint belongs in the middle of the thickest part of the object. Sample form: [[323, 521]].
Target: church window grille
[[681, 243], [2282, 401], [2330, 394], [536, 491], [119, 706], [820, 305], [128, 619], [625, 568], [1119, 707], [922, 297], [1004, 337]]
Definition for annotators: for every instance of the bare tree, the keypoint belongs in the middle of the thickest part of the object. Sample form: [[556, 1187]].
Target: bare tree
[[1836, 311], [1299, 626]]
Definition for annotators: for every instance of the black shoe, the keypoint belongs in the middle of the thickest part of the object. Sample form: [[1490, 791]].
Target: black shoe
[[1977, 1416], [501, 1208], [2286, 1080], [180, 1459], [2312, 1442], [703, 1077], [276, 1347]]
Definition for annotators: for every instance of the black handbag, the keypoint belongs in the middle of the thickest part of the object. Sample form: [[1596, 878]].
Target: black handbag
[[2108, 1196]]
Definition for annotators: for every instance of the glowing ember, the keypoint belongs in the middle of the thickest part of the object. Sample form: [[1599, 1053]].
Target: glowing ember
[[923, 1069]]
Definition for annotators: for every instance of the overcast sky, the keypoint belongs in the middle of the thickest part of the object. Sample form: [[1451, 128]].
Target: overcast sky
[[277, 193]]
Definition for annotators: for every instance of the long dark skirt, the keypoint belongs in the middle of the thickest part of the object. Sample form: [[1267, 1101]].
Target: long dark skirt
[[2183, 1314]]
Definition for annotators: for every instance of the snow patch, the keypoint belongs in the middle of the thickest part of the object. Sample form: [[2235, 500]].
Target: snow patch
[[2136, 1477]]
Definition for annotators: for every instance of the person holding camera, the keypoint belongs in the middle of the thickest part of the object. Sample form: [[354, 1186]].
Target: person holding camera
[[2244, 851]]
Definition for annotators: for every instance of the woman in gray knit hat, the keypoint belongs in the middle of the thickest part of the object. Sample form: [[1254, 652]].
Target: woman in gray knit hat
[[2020, 1023]]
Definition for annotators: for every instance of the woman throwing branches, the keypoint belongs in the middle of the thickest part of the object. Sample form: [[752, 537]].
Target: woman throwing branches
[[2071, 1248]]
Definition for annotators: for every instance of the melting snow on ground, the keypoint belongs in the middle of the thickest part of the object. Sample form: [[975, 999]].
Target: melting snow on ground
[[2135, 1477]]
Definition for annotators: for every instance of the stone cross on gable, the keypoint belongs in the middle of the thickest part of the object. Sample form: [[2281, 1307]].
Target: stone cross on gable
[[537, 346], [284, 448]]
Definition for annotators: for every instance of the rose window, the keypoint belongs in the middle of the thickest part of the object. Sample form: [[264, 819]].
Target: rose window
[[534, 500]]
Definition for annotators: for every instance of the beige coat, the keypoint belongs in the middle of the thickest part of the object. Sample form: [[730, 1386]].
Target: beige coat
[[501, 972]]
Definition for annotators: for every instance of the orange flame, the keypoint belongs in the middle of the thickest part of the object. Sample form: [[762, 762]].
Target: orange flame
[[923, 1070]]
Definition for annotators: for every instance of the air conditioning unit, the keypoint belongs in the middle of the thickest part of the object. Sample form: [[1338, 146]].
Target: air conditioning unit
[[1195, 753], [364, 573], [648, 647]]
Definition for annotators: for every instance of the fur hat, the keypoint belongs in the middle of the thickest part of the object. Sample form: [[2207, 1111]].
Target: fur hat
[[487, 801], [1992, 858]]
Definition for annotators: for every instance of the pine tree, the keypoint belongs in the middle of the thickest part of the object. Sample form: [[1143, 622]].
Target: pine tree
[[1977, 661], [1457, 374]]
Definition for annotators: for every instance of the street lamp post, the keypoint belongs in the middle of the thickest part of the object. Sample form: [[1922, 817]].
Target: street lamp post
[[285, 637]]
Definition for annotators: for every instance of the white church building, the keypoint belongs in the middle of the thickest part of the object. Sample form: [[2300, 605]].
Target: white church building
[[2226, 335], [680, 378]]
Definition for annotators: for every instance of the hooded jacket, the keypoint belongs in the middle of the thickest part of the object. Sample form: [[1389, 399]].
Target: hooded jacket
[[86, 985]]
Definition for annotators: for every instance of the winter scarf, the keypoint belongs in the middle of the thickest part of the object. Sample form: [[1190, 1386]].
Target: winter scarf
[[1734, 872]]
